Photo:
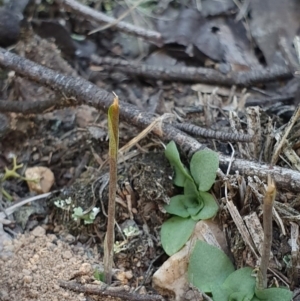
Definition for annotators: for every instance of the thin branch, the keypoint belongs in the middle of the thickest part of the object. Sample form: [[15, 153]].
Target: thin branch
[[96, 16], [285, 178], [193, 74], [98, 290], [265, 101], [34, 107], [89, 94], [133, 7], [10, 210], [207, 133], [170, 73]]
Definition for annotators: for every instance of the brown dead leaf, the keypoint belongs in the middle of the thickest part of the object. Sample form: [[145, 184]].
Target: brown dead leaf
[[268, 19]]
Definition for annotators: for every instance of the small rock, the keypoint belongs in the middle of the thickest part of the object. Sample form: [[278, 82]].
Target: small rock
[[86, 268], [38, 231], [26, 272], [43, 176], [69, 238], [67, 255], [27, 279], [4, 295], [66, 295], [50, 246], [56, 287], [128, 274], [7, 242], [142, 290], [33, 293], [9, 248], [52, 237]]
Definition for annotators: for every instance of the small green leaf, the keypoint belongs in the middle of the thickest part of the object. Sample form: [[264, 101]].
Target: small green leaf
[[190, 188], [208, 267], [204, 166], [99, 275], [183, 205], [181, 172], [210, 207], [175, 232], [177, 206], [274, 294], [77, 212], [240, 285], [194, 210]]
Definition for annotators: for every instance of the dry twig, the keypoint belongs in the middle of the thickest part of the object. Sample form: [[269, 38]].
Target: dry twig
[[193, 74], [87, 93], [35, 107], [97, 290], [207, 133], [91, 14]]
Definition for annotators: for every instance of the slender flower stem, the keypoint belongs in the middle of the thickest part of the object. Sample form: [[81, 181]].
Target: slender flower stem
[[267, 220], [113, 129]]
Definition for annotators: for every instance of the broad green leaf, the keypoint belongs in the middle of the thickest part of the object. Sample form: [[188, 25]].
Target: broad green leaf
[[208, 267], [220, 294], [273, 294], [203, 167], [181, 172], [210, 207], [240, 285], [240, 296], [175, 232]]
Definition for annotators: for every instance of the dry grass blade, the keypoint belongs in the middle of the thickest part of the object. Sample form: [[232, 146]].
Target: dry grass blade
[[241, 226], [295, 252], [117, 20], [280, 143], [154, 124]]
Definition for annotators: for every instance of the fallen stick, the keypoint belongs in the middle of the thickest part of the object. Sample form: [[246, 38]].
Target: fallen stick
[[86, 93], [194, 74], [91, 14], [98, 290]]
